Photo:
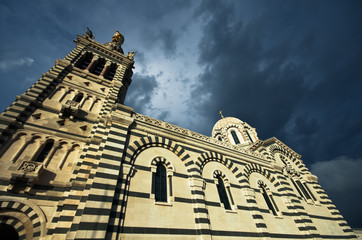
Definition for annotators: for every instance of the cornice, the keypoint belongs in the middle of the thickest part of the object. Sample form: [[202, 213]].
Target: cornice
[[273, 140], [182, 132], [103, 49]]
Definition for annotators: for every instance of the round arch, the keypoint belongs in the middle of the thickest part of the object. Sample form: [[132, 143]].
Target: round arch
[[275, 148], [206, 157], [143, 143], [17, 212], [164, 161], [251, 168], [218, 173]]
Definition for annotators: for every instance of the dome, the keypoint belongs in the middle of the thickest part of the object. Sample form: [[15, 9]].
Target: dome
[[224, 122], [234, 131]]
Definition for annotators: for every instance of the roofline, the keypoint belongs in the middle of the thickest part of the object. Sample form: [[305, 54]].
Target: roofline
[[272, 140]]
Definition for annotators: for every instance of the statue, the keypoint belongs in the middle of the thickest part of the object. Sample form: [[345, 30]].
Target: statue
[[118, 38], [89, 33], [130, 55], [117, 41]]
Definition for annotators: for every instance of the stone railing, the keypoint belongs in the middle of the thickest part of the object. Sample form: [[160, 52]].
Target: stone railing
[[196, 135]]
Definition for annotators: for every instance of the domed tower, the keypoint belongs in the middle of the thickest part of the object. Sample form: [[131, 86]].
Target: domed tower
[[234, 131]]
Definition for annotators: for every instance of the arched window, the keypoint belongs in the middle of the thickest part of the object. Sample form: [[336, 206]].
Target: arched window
[[310, 192], [296, 187], [160, 184], [78, 98], [111, 71], [268, 197], [305, 190], [45, 151], [235, 137], [222, 193], [98, 66], [247, 133], [84, 61]]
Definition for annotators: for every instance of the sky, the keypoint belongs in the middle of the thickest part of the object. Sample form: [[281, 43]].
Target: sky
[[291, 69]]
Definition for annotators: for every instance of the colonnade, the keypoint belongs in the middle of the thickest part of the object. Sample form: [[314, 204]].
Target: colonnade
[[86, 103], [27, 146]]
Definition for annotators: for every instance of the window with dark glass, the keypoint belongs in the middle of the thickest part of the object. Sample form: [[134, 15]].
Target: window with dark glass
[[98, 67], [78, 98], [160, 184], [296, 187], [84, 61], [235, 137], [247, 133], [45, 151], [310, 192], [111, 71], [269, 201], [222, 193], [305, 193]]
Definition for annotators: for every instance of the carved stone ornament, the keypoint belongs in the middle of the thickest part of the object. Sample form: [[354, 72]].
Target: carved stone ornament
[[72, 103], [29, 167], [27, 171], [289, 170]]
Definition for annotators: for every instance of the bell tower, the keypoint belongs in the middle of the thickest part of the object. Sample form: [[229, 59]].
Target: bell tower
[[54, 134]]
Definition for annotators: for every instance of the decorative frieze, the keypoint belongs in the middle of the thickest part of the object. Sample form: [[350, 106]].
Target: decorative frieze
[[171, 127]]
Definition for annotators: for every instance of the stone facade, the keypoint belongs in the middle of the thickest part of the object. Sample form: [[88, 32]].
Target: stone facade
[[79, 164]]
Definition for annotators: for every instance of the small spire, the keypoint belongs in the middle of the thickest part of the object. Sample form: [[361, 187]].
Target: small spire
[[221, 114]]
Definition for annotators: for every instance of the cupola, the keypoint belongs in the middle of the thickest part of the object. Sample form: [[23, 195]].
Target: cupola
[[234, 131]]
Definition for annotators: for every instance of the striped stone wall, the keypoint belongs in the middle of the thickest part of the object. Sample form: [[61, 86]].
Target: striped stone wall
[[106, 190]]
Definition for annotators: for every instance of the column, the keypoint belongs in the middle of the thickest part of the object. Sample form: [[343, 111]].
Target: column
[[259, 221], [108, 63], [21, 149], [94, 59], [201, 213]]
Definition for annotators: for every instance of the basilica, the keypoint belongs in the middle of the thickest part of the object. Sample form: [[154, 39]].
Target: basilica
[[76, 163]]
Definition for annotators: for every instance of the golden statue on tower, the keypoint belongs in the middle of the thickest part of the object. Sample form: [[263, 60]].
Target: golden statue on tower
[[118, 37]]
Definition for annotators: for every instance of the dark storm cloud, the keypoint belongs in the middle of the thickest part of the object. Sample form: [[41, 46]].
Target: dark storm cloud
[[292, 71], [251, 75], [168, 38], [341, 180], [139, 96], [275, 67], [158, 24]]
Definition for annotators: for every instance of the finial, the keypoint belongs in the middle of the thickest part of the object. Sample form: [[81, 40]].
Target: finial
[[221, 114]]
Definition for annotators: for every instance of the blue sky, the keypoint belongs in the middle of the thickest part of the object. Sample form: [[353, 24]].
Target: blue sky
[[291, 69]]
